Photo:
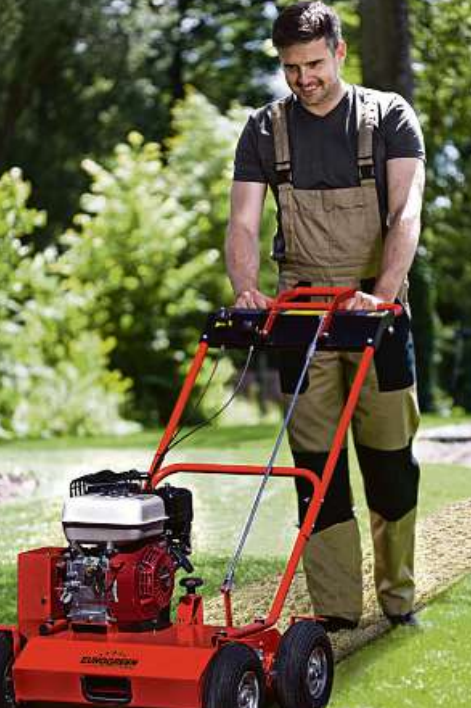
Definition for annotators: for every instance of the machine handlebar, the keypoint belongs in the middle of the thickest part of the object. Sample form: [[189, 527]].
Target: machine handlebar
[[284, 301]]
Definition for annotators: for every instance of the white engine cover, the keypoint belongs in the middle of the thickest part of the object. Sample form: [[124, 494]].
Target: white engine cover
[[98, 518]]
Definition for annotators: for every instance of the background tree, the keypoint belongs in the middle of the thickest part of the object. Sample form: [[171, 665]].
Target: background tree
[[78, 77], [442, 37], [387, 65]]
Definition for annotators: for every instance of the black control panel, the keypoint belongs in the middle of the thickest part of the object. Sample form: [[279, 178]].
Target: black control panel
[[294, 329]]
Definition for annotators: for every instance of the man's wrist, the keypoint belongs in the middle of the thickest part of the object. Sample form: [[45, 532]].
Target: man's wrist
[[385, 291], [384, 296]]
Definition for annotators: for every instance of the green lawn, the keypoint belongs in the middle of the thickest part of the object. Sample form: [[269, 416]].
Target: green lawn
[[424, 669], [223, 436]]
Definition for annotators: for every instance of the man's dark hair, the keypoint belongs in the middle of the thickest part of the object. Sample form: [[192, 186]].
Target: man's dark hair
[[304, 22]]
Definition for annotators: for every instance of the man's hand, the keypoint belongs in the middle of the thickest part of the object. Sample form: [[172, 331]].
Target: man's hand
[[363, 301], [253, 299]]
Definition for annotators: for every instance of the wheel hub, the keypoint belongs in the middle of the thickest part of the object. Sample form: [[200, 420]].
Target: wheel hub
[[248, 691], [317, 672]]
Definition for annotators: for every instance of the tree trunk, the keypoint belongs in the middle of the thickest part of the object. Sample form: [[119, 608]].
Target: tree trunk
[[387, 65], [385, 46], [176, 68]]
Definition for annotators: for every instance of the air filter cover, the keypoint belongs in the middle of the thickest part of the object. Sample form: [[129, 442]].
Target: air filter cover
[[99, 518]]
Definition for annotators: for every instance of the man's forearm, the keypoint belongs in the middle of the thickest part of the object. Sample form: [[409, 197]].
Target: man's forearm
[[406, 179], [242, 259], [242, 243], [399, 250]]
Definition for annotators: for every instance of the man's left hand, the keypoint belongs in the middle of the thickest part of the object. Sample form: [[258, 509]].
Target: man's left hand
[[363, 301]]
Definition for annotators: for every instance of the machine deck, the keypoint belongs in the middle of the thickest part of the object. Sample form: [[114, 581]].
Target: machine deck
[[162, 668]]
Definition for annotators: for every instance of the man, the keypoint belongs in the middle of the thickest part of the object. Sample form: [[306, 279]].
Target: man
[[346, 166]]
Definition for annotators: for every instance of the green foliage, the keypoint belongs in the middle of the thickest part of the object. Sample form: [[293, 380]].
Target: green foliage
[[442, 36], [132, 285], [85, 74], [147, 251], [53, 370]]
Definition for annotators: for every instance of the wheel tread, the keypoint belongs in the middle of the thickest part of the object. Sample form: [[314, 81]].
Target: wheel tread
[[224, 673], [291, 665], [6, 658]]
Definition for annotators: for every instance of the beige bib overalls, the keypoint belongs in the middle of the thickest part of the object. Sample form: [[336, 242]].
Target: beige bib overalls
[[334, 237]]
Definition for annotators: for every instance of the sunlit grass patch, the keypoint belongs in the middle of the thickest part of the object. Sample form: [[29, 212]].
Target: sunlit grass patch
[[422, 668]]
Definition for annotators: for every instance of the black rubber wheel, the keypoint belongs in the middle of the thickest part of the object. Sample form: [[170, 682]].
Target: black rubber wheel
[[7, 696], [304, 667], [234, 679]]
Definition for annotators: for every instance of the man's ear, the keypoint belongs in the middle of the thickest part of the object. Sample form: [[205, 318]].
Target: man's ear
[[341, 51]]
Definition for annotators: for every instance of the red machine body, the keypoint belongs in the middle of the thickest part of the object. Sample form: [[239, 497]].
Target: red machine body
[[94, 622]]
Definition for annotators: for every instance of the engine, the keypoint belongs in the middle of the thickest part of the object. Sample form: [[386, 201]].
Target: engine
[[125, 546]]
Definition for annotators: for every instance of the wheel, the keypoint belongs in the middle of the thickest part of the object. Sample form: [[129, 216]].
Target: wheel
[[7, 697], [304, 667], [234, 679]]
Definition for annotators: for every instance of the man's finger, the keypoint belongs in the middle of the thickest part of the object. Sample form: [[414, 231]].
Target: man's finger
[[362, 301], [253, 300]]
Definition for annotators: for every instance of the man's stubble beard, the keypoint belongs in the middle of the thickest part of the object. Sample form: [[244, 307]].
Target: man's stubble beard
[[325, 95]]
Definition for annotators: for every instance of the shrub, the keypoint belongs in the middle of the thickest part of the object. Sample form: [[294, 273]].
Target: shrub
[[54, 371]]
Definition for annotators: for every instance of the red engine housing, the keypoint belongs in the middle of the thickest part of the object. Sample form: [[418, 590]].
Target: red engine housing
[[145, 578], [139, 586]]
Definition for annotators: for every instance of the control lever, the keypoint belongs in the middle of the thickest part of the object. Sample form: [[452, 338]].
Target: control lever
[[190, 584]]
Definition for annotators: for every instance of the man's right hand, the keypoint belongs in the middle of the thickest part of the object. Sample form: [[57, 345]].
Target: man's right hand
[[253, 299]]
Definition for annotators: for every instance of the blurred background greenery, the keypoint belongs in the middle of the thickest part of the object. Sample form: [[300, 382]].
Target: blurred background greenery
[[118, 120]]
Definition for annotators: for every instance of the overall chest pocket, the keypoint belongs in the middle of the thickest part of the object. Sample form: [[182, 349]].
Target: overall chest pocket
[[354, 226]]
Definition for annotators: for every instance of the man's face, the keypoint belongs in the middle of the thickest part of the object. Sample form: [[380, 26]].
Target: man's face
[[312, 71]]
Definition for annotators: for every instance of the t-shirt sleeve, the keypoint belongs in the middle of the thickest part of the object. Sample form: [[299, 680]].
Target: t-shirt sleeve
[[248, 164], [401, 130]]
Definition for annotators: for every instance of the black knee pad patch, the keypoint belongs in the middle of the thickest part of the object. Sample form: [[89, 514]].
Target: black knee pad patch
[[337, 506], [391, 480]]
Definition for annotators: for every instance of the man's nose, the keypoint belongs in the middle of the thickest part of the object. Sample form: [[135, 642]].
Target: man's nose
[[302, 75]]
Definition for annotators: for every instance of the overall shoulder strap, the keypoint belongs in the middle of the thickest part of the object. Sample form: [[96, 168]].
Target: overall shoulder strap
[[281, 140], [367, 121]]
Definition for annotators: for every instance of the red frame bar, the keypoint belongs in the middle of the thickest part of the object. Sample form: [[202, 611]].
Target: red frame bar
[[303, 534]]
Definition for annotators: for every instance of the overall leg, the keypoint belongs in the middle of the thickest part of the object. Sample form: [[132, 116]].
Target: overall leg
[[385, 421], [332, 558]]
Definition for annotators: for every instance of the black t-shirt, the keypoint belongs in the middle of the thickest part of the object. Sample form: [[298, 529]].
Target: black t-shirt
[[324, 149]]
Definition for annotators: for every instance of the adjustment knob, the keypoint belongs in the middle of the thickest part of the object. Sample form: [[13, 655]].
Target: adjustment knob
[[190, 584]]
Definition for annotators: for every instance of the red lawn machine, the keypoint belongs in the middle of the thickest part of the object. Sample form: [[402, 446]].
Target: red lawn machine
[[94, 623]]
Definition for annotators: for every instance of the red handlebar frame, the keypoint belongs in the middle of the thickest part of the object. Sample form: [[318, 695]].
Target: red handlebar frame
[[284, 302]]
